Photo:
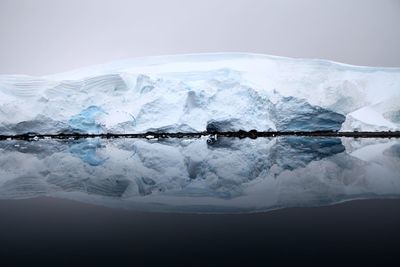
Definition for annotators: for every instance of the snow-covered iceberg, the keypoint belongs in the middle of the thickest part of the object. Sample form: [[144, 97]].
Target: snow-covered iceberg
[[193, 93], [193, 175]]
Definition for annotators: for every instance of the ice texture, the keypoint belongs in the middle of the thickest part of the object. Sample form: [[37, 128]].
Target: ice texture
[[193, 93], [199, 175]]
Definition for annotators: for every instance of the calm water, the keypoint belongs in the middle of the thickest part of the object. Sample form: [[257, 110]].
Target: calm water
[[200, 202], [202, 175]]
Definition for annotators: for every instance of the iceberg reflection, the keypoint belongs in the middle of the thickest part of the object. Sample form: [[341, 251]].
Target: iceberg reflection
[[193, 175]]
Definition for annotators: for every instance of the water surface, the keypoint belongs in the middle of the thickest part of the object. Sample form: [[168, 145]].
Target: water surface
[[216, 175]]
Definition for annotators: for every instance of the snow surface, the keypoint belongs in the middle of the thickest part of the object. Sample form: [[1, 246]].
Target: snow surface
[[188, 93], [193, 175]]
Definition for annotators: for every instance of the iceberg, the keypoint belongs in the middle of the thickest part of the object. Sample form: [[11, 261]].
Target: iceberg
[[200, 92]]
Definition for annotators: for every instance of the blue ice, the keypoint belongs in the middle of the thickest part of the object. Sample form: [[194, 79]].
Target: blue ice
[[85, 121]]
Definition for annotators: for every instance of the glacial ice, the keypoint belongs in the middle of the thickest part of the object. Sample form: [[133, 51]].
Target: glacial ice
[[193, 175], [190, 93]]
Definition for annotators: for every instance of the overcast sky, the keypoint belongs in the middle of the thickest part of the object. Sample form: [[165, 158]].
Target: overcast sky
[[47, 36]]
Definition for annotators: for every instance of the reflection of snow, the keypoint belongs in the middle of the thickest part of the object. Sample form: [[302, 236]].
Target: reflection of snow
[[228, 174], [86, 151]]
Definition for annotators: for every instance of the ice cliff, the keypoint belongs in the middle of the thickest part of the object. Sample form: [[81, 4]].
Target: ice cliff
[[193, 93]]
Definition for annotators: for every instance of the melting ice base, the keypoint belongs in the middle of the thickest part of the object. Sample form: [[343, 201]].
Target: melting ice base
[[200, 175], [191, 93]]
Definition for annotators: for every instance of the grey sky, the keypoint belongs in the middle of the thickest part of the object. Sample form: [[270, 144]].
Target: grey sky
[[48, 36]]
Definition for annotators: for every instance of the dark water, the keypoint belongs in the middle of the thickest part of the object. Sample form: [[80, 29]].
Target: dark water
[[200, 201]]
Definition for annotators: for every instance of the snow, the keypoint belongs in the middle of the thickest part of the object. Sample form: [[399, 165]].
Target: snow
[[383, 116], [370, 116], [188, 93]]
